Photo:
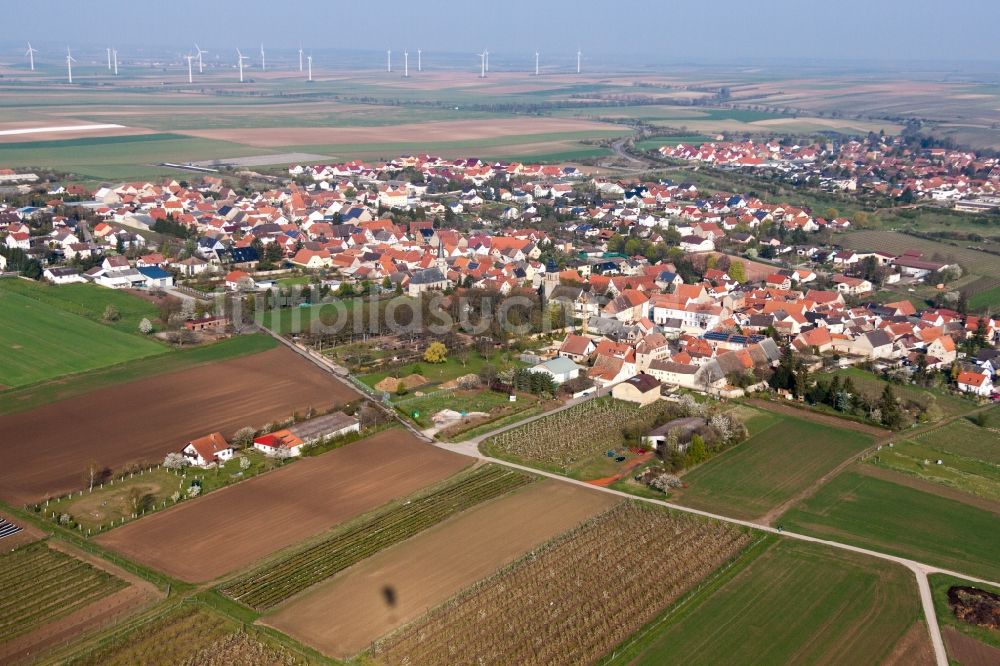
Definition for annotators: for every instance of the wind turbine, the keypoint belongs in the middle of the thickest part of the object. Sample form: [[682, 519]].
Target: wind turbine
[[406, 64], [109, 58], [190, 58], [578, 60], [536, 62], [69, 64], [31, 56], [201, 66], [263, 62], [482, 65], [420, 67], [241, 58], [114, 59], [310, 68], [300, 57], [487, 52], [388, 60]]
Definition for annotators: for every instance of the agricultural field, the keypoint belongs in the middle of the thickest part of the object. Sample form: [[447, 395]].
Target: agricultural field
[[988, 299], [346, 614], [120, 157], [969, 457], [280, 579], [785, 456], [187, 635], [896, 514], [572, 438], [936, 404], [455, 366], [42, 393], [39, 585], [263, 515], [44, 337], [973, 261], [962, 636], [795, 603], [580, 624], [145, 422]]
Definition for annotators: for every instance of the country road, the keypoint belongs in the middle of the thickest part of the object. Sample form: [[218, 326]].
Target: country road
[[470, 448], [920, 570]]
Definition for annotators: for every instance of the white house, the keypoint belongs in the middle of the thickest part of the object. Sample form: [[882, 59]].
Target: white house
[[208, 450], [63, 275], [978, 383], [294, 439]]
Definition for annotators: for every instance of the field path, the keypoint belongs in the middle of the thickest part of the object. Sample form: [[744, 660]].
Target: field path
[[882, 437], [919, 569]]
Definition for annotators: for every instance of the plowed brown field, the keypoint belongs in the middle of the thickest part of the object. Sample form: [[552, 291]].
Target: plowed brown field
[[232, 528], [345, 615], [47, 450]]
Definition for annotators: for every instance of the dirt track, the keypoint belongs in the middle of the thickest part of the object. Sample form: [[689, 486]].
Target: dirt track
[[145, 419], [203, 539], [345, 615]]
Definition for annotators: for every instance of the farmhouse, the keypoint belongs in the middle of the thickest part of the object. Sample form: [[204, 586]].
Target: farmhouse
[[291, 441], [208, 450], [642, 389], [239, 281]]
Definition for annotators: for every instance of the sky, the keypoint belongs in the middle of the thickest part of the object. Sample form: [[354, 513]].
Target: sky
[[654, 31]]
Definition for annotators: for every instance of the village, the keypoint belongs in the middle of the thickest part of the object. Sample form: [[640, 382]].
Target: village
[[698, 290]]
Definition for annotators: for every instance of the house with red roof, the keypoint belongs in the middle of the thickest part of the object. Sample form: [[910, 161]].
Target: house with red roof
[[208, 450], [975, 382]]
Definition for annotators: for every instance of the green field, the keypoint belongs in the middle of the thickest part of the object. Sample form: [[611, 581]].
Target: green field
[[938, 404], [969, 455], [796, 603], [35, 395], [436, 373], [783, 458], [46, 339], [879, 514], [421, 409], [120, 157], [986, 299], [973, 261], [88, 300]]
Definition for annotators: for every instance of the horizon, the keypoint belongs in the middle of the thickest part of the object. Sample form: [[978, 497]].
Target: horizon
[[783, 31]]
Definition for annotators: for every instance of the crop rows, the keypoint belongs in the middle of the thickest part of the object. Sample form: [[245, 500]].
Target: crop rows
[[577, 598], [172, 639], [271, 584], [567, 437], [39, 585]]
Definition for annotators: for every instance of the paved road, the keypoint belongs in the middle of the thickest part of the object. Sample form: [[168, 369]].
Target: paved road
[[919, 569], [471, 448]]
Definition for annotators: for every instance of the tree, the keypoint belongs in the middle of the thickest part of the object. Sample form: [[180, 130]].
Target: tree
[[737, 271], [436, 352], [892, 415], [696, 452], [145, 326], [401, 388], [93, 471], [111, 313], [176, 461], [243, 437]]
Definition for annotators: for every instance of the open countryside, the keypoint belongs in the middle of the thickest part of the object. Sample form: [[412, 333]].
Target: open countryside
[[474, 336]]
